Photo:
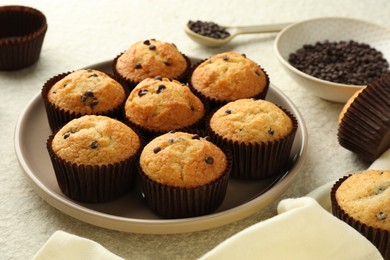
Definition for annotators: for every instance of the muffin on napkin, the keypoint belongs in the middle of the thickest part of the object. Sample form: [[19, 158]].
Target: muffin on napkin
[[363, 201]]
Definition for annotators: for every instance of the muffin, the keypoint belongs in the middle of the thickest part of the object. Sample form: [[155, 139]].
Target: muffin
[[148, 59], [259, 134], [82, 92], [364, 123], [159, 105], [227, 77], [94, 158], [183, 175], [363, 201]]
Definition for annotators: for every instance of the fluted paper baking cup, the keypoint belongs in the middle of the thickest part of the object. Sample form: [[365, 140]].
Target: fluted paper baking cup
[[22, 31]]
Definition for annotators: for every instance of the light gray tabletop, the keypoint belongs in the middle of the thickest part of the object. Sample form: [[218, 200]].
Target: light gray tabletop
[[81, 33]]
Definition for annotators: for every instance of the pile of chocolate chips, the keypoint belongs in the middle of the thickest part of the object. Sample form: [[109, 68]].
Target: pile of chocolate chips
[[209, 29], [346, 62]]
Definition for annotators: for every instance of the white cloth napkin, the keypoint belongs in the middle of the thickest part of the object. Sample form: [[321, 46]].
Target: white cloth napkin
[[301, 230], [64, 246]]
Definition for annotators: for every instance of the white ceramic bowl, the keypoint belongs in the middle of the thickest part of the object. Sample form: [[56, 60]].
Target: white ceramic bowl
[[335, 29]]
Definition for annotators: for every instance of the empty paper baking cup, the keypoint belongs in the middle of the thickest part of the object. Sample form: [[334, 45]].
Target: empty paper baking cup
[[22, 30]]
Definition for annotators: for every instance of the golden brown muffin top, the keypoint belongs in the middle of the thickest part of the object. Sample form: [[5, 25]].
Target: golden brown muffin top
[[151, 58], [249, 120], [182, 160], [95, 140], [160, 104], [229, 76], [86, 92], [365, 196]]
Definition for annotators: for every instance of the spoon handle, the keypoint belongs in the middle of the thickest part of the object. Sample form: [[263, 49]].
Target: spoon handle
[[261, 28]]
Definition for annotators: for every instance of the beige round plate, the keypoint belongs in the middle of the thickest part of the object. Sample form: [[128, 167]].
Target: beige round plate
[[130, 213]]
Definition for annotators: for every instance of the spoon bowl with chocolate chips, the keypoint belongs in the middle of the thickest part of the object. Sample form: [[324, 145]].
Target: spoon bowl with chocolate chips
[[214, 35], [333, 57]]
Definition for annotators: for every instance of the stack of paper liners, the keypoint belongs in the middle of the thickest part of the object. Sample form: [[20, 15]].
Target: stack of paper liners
[[364, 127]]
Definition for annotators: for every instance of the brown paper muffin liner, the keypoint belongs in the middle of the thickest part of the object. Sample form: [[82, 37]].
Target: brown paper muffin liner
[[378, 237], [174, 202], [130, 84], [365, 126], [94, 183], [22, 31], [217, 103], [258, 160], [58, 117]]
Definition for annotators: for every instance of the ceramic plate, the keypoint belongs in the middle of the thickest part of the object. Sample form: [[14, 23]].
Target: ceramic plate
[[131, 213]]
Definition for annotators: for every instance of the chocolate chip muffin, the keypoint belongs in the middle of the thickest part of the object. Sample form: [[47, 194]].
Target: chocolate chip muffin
[[364, 122], [94, 158], [363, 201], [82, 92], [184, 174], [148, 59], [259, 133], [229, 76], [159, 105]]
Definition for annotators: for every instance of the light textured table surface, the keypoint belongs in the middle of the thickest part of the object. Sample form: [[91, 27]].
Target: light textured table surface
[[81, 33]]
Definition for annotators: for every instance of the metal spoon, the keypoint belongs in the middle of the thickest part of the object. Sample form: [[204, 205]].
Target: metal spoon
[[234, 31]]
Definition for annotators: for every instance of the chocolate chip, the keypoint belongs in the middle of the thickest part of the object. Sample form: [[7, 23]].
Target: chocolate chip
[[54, 92], [94, 144], [158, 78], [89, 99], [160, 88], [152, 47], [167, 63], [381, 215], [138, 66], [271, 131], [93, 75], [156, 149], [142, 92], [225, 58], [209, 160], [66, 135], [171, 140], [243, 55], [147, 42], [228, 111], [192, 107], [196, 137]]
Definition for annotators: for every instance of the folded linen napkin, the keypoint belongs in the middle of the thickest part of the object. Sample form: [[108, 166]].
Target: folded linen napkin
[[301, 230], [63, 246]]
